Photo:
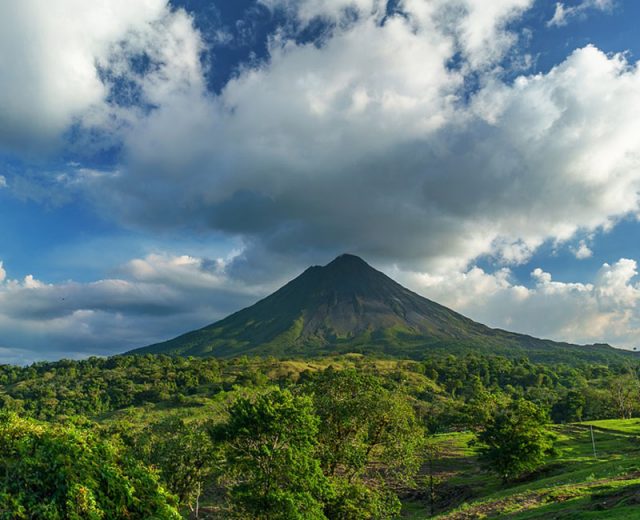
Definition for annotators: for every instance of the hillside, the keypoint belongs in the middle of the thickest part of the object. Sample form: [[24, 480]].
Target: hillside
[[348, 306], [573, 485]]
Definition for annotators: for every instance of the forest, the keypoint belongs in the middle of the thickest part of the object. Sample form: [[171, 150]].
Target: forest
[[348, 437]]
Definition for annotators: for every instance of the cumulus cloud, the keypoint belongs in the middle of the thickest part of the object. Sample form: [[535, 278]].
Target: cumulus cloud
[[58, 61], [363, 144], [582, 251], [477, 29], [563, 14], [396, 135], [160, 296], [577, 312], [368, 140], [152, 299]]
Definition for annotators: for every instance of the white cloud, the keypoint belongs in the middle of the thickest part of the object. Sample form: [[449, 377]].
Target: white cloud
[[159, 296], [602, 311], [154, 298], [3, 181], [582, 251], [366, 142], [307, 10], [363, 144], [563, 14], [475, 27], [49, 52]]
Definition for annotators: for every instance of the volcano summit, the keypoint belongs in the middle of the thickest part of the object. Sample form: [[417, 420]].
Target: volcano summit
[[348, 306]]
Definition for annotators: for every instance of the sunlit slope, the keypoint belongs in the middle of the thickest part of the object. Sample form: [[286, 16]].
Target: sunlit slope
[[348, 306], [573, 485]]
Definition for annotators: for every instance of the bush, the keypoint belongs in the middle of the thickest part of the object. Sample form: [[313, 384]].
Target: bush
[[63, 472], [515, 440]]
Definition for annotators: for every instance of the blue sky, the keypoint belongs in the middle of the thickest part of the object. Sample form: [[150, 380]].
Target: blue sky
[[164, 164]]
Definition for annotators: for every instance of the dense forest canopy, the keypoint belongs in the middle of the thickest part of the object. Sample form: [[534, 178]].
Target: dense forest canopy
[[446, 385]]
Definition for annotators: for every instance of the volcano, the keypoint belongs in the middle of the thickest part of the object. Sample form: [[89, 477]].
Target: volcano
[[347, 306]]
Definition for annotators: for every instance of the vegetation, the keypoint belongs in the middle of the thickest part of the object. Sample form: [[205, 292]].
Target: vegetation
[[270, 442], [515, 440], [573, 484], [55, 472], [182, 452], [348, 437]]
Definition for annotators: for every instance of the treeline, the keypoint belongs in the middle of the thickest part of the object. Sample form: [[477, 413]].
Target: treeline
[[452, 390]]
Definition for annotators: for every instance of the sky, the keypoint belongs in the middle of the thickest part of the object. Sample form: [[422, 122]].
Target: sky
[[165, 163]]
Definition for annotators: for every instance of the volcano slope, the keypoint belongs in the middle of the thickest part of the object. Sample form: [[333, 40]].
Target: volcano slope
[[348, 306]]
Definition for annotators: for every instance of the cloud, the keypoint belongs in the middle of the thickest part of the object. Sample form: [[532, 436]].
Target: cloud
[[60, 62], [160, 296], [563, 14], [368, 140], [605, 310], [364, 144], [400, 134], [582, 251], [476, 28], [153, 298]]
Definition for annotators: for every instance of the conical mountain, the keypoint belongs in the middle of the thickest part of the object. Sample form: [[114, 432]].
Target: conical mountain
[[348, 306]]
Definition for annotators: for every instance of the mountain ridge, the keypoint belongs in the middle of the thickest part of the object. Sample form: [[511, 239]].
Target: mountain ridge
[[348, 306]]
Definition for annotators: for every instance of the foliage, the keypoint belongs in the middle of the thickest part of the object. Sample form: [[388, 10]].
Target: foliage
[[625, 392], [354, 500], [270, 442], [97, 385], [62, 472], [183, 453], [451, 391], [362, 422], [369, 412], [573, 485], [516, 440], [360, 419]]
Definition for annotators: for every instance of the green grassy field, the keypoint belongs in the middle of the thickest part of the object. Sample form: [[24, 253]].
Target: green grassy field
[[572, 485]]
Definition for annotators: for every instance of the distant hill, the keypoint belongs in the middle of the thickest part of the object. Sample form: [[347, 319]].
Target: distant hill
[[348, 306]]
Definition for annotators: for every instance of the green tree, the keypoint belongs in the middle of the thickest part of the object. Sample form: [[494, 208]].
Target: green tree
[[482, 406], [269, 444], [184, 455], [570, 407], [516, 440], [625, 391], [367, 434], [53, 472]]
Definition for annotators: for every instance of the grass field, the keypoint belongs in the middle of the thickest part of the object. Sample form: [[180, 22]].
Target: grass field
[[572, 485]]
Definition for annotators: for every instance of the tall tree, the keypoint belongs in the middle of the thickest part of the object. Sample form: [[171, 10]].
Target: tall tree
[[183, 453], [625, 391], [367, 432], [270, 443]]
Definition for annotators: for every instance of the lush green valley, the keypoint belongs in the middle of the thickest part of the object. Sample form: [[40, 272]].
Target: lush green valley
[[337, 437]]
